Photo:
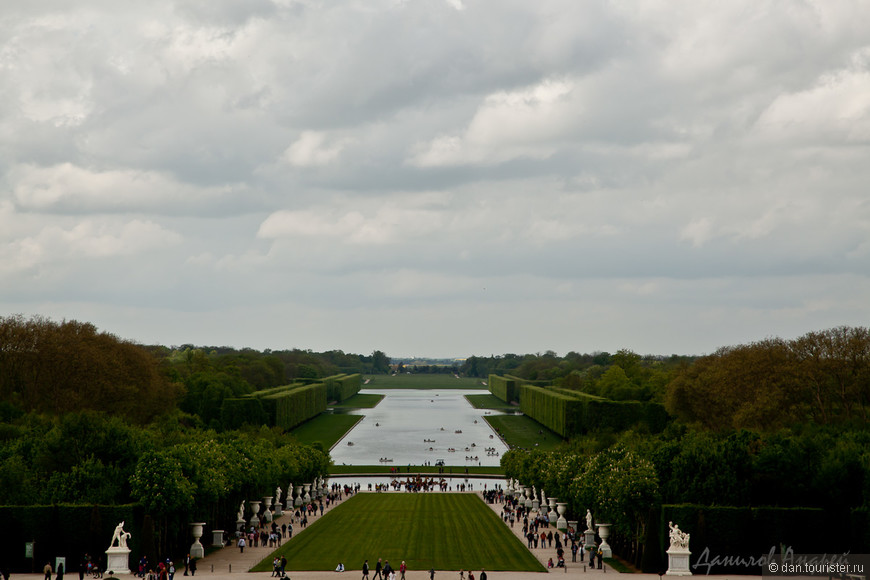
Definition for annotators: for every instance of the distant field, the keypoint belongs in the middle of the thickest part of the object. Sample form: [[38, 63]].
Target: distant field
[[360, 401], [522, 431], [445, 531], [489, 402], [422, 381], [326, 428]]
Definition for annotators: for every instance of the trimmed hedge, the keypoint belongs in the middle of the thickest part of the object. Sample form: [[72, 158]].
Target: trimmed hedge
[[569, 412], [242, 411], [67, 531], [558, 412], [503, 388], [341, 387], [726, 539], [294, 407]]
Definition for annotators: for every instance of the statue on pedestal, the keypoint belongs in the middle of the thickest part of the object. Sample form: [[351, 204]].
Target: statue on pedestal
[[119, 536], [278, 492], [589, 520], [679, 538], [241, 514]]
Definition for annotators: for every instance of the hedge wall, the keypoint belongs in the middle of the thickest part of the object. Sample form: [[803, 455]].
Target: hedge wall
[[503, 388], [68, 531], [605, 414], [558, 412], [241, 411], [341, 387], [294, 407], [726, 539]]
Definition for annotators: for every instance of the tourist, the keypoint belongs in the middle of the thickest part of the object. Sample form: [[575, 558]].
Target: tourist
[[241, 545], [431, 573], [60, 571], [340, 567], [193, 566], [365, 570], [482, 574], [388, 570], [550, 563], [402, 568], [47, 570], [378, 568], [462, 575]]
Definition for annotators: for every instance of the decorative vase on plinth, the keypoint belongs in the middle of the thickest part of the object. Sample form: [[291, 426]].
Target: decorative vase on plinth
[[267, 508], [306, 499], [552, 515], [561, 523], [255, 517], [528, 502], [297, 494], [604, 532], [217, 538], [196, 549]]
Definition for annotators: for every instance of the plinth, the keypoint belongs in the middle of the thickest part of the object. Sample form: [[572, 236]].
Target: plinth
[[678, 562], [118, 560]]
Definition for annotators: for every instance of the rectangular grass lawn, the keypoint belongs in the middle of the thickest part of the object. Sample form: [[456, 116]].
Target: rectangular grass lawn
[[445, 531]]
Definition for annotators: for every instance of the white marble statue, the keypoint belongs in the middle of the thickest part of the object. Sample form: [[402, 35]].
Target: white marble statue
[[278, 492], [679, 538], [588, 520], [241, 514], [119, 536]]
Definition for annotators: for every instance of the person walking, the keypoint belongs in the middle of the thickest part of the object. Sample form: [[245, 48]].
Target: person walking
[[193, 566], [431, 573], [402, 568], [378, 568], [482, 574], [47, 571], [60, 571], [241, 548], [365, 570]]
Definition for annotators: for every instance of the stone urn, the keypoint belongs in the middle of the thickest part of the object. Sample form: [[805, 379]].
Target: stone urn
[[604, 533], [196, 549], [306, 499], [297, 493], [561, 523], [255, 516], [552, 515], [267, 508]]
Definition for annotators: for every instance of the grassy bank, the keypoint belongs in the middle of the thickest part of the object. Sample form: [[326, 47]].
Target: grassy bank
[[489, 402], [521, 431], [360, 401], [325, 429], [422, 529]]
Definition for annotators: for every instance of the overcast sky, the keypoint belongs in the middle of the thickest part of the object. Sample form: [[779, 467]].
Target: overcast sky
[[437, 177]]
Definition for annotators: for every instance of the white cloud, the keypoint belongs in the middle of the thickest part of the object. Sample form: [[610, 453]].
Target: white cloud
[[311, 149]]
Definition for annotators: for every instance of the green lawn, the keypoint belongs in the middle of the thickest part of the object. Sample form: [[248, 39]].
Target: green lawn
[[445, 531], [326, 428], [489, 402], [522, 431], [422, 381], [360, 401]]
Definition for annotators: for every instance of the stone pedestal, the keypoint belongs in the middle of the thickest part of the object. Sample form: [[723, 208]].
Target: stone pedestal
[[196, 549], [604, 532], [217, 538], [561, 523], [118, 560], [536, 505], [589, 537], [279, 510], [678, 562], [572, 526], [240, 525]]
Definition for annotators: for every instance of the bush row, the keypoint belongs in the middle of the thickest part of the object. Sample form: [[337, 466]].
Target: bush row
[[341, 387]]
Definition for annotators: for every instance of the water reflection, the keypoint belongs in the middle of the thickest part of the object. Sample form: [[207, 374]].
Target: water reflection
[[411, 427], [453, 482]]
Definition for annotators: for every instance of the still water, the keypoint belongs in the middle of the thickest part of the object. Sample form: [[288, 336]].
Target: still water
[[411, 427]]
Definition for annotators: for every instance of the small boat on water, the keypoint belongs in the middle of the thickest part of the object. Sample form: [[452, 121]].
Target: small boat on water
[[350, 443]]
